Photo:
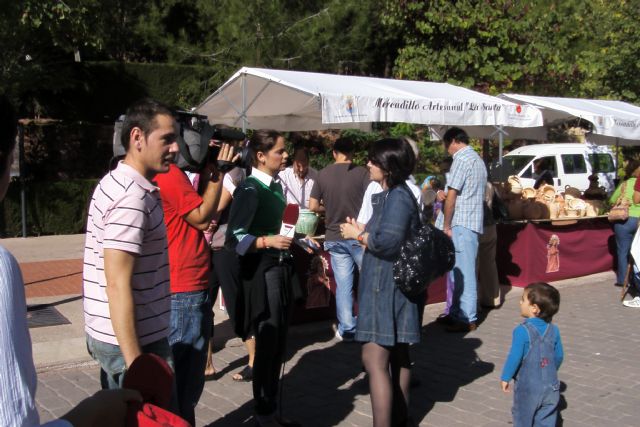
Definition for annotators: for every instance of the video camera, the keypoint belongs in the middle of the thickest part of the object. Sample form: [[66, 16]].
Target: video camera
[[195, 132]]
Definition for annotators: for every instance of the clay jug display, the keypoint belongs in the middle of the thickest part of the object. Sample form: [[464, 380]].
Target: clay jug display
[[554, 209], [515, 209], [516, 186]]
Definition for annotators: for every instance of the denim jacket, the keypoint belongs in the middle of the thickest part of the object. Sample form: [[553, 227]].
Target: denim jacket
[[395, 213], [385, 315]]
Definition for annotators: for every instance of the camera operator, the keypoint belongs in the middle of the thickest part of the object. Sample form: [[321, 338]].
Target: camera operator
[[187, 215]]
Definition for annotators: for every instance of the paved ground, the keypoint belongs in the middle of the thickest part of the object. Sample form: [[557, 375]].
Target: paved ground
[[458, 374]]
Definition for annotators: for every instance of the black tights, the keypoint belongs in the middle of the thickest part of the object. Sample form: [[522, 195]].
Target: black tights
[[389, 370]]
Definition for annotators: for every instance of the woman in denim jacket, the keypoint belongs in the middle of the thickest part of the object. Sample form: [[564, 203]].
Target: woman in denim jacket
[[387, 320]]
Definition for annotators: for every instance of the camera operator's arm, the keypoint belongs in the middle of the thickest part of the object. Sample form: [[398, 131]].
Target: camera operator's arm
[[200, 217]]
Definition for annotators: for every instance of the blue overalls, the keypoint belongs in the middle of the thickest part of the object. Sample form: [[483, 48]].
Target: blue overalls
[[536, 388]]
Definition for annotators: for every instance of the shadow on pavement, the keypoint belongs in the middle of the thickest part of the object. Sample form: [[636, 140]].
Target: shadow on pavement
[[443, 363], [321, 387], [326, 384]]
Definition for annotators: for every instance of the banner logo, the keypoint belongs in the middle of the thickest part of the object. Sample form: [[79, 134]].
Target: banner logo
[[348, 104]]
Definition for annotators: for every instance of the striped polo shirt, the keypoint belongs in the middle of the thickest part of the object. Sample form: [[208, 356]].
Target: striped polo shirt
[[125, 213]]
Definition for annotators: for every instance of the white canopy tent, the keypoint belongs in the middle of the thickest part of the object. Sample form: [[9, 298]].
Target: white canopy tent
[[613, 122], [296, 101]]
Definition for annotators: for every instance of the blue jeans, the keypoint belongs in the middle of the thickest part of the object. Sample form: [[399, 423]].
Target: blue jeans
[[191, 319], [345, 256], [624, 232], [111, 360], [465, 294]]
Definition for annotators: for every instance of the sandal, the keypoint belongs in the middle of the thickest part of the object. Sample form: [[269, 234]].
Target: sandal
[[245, 375]]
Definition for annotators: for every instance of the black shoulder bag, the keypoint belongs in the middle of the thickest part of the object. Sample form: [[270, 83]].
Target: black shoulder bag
[[426, 255]]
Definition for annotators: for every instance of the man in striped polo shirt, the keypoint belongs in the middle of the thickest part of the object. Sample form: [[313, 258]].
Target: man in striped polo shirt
[[127, 304], [187, 216]]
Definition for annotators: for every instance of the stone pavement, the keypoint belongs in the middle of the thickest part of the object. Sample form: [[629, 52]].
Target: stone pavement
[[458, 374]]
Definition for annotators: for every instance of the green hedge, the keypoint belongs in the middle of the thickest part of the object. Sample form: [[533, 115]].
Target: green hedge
[[52, 207]]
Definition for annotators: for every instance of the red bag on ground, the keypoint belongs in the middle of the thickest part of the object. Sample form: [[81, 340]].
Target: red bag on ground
[[153, 378]]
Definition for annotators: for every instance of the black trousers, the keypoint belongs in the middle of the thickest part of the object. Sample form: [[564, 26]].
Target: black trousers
[[271, 335], [225, 275]]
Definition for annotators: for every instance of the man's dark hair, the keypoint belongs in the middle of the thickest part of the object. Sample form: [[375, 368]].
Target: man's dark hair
[[546, 297], [262, 140], [300, 149], [344, 145], [8, 127], [395, 157], [457, 134], [142, 114]]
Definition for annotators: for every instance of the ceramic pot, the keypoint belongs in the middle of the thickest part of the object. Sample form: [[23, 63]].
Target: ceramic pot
[[515, 208], [307, 222], [572, 191], [514, 182], [529, 193]]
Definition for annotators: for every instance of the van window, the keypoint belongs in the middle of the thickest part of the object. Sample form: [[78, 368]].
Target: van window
[[512, 165], [551, 165], [573, 163], [601, 162]]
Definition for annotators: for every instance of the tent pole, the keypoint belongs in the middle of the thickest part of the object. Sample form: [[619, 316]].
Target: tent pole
[[23, 189], [244, 104], [617, 154], [500, 144]]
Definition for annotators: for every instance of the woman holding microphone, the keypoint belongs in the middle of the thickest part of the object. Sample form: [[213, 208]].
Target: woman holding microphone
[[266, 269]]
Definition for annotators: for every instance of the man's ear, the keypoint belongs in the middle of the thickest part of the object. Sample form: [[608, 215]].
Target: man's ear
[[260, 156], [135, 137]]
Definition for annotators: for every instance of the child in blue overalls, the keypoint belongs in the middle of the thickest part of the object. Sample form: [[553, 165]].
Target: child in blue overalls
[[535, 356]]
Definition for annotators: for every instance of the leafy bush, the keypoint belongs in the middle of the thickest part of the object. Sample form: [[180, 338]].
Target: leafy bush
[[52, 207]]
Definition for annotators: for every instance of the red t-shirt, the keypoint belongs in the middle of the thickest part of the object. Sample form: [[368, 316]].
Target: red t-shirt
[[188, 250], [636, 186]]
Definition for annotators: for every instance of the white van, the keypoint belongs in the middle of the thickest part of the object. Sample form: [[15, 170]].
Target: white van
[[570, 163]]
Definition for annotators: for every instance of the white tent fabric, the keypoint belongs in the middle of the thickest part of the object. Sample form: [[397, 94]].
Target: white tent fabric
[[295, 101], [613, 121]]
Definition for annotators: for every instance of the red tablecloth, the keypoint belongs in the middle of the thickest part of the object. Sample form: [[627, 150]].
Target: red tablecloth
[[525, 255]]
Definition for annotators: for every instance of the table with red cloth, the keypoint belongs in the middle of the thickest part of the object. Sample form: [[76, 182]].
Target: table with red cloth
[[527, 252]]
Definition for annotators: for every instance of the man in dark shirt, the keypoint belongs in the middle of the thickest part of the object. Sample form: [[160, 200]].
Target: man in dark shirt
[[340, 188]]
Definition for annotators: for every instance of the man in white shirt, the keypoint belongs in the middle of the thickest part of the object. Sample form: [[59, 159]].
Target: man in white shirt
[[297, 180]]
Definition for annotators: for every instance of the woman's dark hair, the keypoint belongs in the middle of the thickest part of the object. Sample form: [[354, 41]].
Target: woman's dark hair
[[546, 297], [142, 114], [395, 157], [631, 167], [8, 127], [262, 140]]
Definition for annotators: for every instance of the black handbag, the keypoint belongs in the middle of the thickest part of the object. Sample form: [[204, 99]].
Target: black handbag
[[426, 255]]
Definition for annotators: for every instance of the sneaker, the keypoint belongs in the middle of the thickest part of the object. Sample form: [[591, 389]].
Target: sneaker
[[633, 303]]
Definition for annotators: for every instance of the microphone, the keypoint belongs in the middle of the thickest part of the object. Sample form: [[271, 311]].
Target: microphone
[[288, 227], [289, 220]]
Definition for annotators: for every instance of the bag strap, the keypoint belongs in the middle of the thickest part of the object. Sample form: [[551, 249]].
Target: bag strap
[[623, 193], [415, 200]]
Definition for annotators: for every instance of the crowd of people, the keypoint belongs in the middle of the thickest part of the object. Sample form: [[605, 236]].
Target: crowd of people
[[161, 242]]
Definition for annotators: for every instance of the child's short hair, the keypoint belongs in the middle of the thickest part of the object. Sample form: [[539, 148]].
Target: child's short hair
[[436, 184], [546, 297]]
